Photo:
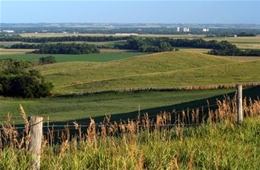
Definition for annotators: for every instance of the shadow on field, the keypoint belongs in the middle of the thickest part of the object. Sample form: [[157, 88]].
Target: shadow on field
[[253, 93]]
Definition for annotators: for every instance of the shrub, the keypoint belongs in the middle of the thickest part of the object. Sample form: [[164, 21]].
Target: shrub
[[18, 79], [47, 60]]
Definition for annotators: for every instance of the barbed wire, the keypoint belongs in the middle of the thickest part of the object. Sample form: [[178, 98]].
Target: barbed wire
[[71, 124]]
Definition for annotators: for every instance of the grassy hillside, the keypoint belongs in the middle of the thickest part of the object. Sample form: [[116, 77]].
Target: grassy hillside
[[154, 70], [167, 69]]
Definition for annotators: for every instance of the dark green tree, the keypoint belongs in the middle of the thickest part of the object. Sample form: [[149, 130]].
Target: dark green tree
[[19, 79]]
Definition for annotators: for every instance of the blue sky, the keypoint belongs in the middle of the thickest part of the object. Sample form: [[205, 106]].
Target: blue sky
[[108, 11]]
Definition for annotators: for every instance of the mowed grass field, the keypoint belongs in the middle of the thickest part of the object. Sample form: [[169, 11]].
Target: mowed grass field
[[106, 55], [119, 105], [168, 69]]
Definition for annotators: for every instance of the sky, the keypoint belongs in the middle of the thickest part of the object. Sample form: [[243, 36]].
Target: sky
[[135, 11]]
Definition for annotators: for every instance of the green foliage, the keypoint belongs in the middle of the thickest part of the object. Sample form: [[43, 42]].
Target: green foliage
[[47, 60], [9, 66], [223, 48], [25, 46], [73, 48], [18, 79], [246, 34]]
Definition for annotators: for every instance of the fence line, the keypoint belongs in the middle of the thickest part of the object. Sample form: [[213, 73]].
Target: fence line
[[118, 121]]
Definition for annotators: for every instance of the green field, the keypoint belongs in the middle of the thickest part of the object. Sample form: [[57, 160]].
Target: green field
[[169, 69], [102, 57], [122, 105]]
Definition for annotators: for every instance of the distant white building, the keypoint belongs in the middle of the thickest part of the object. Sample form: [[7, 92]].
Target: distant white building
[[186, 29], [205, 30], [178, 29], [8, 31]]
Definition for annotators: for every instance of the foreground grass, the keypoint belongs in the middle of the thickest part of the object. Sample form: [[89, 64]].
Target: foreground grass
[[218, 142], [216, 146]]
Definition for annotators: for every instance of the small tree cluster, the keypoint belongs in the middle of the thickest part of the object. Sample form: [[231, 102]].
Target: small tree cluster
[[47, 60], [225, 48], [18, 79]]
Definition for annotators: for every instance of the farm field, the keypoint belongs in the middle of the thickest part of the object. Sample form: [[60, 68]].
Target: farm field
[[169, 69], [10, 43], [5, 52], [120, 105], [107, 55]]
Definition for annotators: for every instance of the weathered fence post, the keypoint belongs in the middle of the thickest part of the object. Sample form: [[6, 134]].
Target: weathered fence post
[[239, 104], [35, 140]]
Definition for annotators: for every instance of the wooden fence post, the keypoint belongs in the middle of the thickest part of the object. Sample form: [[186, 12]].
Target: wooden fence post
[[239, 104], [35, 140]]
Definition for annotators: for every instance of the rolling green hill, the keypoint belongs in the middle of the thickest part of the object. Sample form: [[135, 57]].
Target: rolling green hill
[[169, 69]]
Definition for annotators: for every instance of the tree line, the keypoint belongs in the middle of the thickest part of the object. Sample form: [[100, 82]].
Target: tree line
[[19, 79], [62, 39], [223, 48], [144, 44], [165, 44], [61, 48]]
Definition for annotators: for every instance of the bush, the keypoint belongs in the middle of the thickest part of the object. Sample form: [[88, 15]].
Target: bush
[[22, 81], [46, 60]]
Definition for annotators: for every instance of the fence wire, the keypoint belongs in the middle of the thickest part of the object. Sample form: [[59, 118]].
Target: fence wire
[[71, 125]]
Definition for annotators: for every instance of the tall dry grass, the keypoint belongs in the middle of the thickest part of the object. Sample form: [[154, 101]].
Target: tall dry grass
[[191, 139]]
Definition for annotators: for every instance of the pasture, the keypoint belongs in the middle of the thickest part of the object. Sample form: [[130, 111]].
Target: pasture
[[107, 55], [162, 70], [119, 105]]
